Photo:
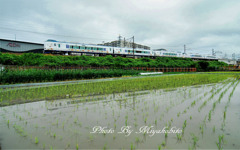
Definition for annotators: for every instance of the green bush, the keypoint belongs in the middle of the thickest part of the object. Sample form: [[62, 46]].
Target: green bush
[[36, 75], [32, 59]]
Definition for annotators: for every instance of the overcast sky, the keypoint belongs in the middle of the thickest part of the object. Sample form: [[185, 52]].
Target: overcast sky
[[202, 25]]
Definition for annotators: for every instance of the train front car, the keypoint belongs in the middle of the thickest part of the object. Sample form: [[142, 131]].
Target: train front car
[[49, 46], [71, 48]]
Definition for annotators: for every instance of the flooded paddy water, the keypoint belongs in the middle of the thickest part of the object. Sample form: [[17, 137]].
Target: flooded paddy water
[[203, 116]]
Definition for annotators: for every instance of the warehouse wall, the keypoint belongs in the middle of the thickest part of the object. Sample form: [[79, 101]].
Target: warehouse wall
[[20, 46]]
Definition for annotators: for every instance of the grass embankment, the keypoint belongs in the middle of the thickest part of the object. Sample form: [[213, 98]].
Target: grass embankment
[[34, 75], [31, 59], [224, 72], [13, 96]]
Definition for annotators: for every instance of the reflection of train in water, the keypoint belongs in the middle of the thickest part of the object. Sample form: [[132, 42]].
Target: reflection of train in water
[[53, 46]]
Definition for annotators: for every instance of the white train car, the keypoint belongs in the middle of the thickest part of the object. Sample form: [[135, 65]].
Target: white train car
[[196, 56], [210, 57], [165, 53], [53, 46]]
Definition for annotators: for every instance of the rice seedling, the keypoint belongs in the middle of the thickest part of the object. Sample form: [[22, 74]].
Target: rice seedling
[[145, 120], [166, 135], [135, 124], [202, 129], [220, 141], [178, 114], [210, 115], [214, 105], [163, 144], [36, 140], [159, 147], [179, 136], [224, 115], [132, 146], [184, 124], [77, 146], [222, 126], [137, 140], [60, 91], [195, 140], [185, 111], [214, 128], [193, 103]]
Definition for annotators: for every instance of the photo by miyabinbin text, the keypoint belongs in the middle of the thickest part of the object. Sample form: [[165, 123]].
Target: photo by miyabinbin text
[[128, 130]]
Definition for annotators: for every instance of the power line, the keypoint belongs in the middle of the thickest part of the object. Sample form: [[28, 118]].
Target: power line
[[52, 34]]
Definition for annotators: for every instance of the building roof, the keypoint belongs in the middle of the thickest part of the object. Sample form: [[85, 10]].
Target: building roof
[[21, 41]]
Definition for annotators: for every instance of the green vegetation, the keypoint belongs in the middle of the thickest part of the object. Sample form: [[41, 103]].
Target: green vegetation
[[114, 64], [36, 140], [21, 95], [31, 59], [209, 65], [220, 141], [195, 140], [34, 75]]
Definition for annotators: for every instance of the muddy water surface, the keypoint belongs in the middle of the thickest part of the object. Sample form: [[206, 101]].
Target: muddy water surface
[[137, 120]]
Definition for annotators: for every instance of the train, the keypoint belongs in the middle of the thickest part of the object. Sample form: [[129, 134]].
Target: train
[[69, 48]]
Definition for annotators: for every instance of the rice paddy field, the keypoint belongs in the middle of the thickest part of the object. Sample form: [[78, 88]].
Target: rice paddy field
[[192, 111]]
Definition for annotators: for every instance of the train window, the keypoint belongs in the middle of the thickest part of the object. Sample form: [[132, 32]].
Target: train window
[[59, 45], [67, 46], [78, 47], [110, 49], [71, 46], [54, 44]]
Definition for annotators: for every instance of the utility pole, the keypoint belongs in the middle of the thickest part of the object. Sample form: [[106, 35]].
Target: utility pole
[[133, 46], [120, 40], [184, 49], [213, 53]]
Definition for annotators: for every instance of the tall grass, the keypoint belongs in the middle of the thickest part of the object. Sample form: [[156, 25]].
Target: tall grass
[[36, 75]]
